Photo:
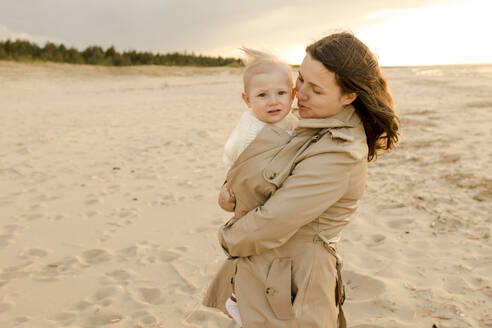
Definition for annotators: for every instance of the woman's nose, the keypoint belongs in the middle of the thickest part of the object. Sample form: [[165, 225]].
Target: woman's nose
[[300, 94]]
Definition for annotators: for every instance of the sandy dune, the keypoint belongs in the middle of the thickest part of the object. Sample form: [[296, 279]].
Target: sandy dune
[[108, 183]]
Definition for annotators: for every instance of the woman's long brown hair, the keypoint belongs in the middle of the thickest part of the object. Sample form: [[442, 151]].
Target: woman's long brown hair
[[357, 70]]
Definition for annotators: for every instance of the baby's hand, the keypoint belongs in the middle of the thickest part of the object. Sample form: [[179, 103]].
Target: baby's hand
[[227, 201]]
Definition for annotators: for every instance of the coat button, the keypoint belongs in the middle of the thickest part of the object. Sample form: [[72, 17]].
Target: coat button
[[270, 291], [270, 174]]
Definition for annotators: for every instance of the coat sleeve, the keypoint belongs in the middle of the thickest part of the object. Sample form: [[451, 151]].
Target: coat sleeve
[[315, 184]]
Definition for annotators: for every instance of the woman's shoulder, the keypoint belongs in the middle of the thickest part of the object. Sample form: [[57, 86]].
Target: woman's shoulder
[[342, 136], [343, 143]]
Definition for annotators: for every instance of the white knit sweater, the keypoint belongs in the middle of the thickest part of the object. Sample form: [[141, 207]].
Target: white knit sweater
[[246, 131]]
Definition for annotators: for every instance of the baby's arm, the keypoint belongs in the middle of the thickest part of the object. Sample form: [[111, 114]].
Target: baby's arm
[[235, 143]]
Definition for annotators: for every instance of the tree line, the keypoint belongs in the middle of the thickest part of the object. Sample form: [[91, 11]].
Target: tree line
[[22, 50]]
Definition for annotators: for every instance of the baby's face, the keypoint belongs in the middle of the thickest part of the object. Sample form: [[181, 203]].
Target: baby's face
[[270, 96]]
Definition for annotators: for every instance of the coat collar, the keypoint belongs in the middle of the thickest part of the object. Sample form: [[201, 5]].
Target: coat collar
[[347, 118]]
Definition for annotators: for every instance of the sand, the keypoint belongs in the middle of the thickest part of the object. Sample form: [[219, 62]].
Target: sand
[[108, 185]]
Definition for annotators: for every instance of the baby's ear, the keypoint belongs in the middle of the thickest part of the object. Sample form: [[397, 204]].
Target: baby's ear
[[246, 99], [293, 94]]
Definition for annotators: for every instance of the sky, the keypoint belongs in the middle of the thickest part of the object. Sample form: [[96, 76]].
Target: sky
[[400, 32]]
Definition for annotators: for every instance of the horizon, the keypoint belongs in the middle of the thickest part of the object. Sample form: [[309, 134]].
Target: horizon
[[192, 53], [401, 33]]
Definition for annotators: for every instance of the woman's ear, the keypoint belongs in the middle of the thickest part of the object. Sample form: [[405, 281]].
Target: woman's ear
[[348, 98], [246, 99]]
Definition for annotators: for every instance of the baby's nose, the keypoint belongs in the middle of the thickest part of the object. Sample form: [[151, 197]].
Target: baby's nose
[[273, 100]]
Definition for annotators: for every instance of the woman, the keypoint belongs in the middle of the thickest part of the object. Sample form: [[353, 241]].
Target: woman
[[295, 194]]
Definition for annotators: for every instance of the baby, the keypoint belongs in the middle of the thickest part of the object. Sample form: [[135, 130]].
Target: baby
[[268, 92]]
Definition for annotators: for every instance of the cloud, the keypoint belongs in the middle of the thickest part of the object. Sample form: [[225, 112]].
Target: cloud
[[417, 37], [5, 34], [217, 27]]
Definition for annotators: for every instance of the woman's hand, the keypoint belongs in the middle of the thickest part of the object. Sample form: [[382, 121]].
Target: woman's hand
[[227, 201]]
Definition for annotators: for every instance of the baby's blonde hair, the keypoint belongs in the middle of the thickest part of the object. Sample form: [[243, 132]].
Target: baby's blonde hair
[[258, 62]]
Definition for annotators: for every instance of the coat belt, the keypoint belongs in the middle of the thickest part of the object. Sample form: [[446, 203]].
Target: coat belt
[[332, 247]]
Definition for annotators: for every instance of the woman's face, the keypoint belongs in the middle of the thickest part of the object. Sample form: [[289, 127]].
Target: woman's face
[[318, 94]]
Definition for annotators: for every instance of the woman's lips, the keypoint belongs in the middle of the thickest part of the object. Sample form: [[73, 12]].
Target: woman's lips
[[301, 106]]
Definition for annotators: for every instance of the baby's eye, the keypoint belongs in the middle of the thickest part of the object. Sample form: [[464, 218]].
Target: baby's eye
[[262, 94], [281, 93]]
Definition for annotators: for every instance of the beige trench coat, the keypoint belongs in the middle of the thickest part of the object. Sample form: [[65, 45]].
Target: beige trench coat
[[294, 195]]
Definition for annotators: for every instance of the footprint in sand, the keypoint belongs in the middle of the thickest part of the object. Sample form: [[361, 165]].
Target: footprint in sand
[[80, 306], [141, 253], [21, 320], [456, 285], [103, 236], [361, 287], [96, 256], [118, 277], [33, 253], [186, 184], [56, 217], [144, 319], [127, 213], [10, 173], [6, 200], [9, 232], [449, 158], [206, 318], [169, 255], [92, 199], [91, 214], [400, 223], [45, 198], [32, 216], [55, 270], [124, 217], [164, 200], [203, 229], [105, 296], [64, 318], [376, 239], [14, 272], [114, 189], [101, 317], [181, 249], [150, 295], [5, 306], [38, 206], [127, 253]]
